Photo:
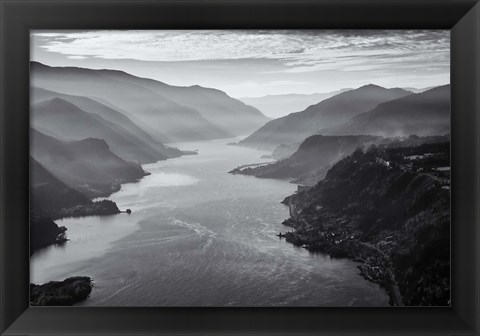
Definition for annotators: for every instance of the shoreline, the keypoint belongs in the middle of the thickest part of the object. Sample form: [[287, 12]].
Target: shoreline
[[375, 266]]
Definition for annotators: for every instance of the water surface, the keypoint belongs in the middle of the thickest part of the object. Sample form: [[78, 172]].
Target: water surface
[[201, 237]]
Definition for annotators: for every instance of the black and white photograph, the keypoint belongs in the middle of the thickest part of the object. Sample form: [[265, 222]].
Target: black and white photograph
[[240, 168]]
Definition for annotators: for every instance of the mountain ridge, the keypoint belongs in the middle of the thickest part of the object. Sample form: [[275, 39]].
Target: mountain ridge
[[422, 114], [327, 113], [146, 102], [64, 120], [276, 106]]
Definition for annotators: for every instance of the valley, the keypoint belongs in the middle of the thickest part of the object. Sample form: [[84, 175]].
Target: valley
[[152, 192]]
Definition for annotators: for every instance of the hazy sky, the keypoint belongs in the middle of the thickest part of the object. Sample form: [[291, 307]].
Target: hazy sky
[[257, 62]]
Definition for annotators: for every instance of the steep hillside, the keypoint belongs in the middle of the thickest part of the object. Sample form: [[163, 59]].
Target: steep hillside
[[87, 165], [328, 113], [315, 155], [388, 208], [425, 113], [50, 199]]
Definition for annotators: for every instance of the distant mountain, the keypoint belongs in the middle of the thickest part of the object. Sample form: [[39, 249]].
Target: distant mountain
[[328, 113], [216, 106], [87, 165], [168, 113], [162, 118], [277, 106], [314, 157], [63, 120], [417, 90], [75, 118], [426, 113], [147, 149]]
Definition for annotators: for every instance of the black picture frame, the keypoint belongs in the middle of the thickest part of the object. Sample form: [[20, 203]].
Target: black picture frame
[[462, 17]]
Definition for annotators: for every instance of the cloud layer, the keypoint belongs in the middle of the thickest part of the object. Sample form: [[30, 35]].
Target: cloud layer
[[297, 50]]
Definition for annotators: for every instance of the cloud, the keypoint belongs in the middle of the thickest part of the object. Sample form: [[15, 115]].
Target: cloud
[[299, 51]]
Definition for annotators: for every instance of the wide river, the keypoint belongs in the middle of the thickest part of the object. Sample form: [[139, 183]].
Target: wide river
[[198, 236]]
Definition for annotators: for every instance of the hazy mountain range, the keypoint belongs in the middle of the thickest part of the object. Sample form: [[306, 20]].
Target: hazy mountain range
[[167, 113], [64, 120], [327, 113], [426, 113], [368, 110], [65, 117], [276, 106]]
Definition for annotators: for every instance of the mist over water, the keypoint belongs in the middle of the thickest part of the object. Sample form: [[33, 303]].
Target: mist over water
[[199, 236]]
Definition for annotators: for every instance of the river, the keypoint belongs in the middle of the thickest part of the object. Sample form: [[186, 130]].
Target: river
[[198, 236]]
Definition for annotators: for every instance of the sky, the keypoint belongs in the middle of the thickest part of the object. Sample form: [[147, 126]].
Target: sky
[[254, 63]]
